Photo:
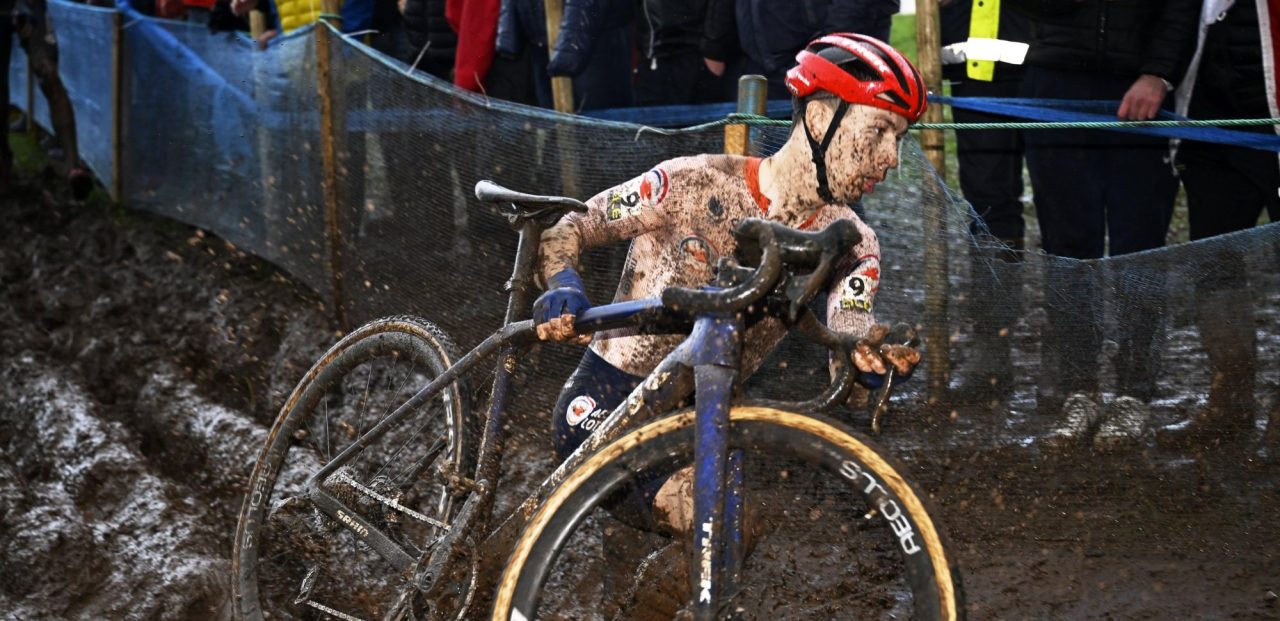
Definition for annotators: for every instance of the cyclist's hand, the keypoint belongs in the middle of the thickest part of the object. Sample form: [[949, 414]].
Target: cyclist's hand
[[555, 310], [872, 355]]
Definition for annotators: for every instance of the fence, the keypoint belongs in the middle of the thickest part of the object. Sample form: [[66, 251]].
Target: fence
[[239, 143]]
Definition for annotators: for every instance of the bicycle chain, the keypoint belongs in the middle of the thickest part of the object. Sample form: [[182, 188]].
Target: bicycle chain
[[346, 478], [330, 611]]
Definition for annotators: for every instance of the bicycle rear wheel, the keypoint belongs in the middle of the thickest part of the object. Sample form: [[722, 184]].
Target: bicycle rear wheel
[[292, 561], [841, 532]]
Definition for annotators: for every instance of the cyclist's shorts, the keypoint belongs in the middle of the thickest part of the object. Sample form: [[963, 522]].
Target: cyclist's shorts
[[591, 393]]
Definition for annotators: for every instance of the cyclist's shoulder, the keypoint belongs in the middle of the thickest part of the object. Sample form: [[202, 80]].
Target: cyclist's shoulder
[[833, 212], [701, 170]]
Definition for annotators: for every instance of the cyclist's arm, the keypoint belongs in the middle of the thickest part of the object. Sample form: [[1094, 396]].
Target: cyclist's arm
[[623, 212], [851, 297]]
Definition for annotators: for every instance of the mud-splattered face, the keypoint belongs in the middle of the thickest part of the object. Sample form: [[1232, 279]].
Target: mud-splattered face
[[864, 149]]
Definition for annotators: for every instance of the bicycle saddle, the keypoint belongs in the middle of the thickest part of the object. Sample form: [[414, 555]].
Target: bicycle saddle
[[527, 204]]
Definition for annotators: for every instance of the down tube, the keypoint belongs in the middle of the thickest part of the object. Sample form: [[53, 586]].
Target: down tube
[[711, 435]]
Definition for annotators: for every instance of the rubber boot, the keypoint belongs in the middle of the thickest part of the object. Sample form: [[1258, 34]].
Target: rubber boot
[[1225, 320], [986, 376]]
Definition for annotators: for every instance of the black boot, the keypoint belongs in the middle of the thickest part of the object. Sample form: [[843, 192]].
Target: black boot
[[1226, 327], [987, 376]]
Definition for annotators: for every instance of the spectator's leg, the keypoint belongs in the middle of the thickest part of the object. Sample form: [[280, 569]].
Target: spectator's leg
[[1140, 195], [606, 80], [991, 179], [1066, 179], [38, 40], [1223, 195]]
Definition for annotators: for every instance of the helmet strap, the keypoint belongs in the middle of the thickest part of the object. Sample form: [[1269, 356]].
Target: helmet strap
[[819, 150]]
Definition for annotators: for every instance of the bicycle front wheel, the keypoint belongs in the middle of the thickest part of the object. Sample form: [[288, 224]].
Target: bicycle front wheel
[[837, 531], [291, 560]]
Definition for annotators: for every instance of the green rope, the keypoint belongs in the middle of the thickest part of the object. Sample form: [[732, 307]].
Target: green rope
[[753, 120], [1100, 124]]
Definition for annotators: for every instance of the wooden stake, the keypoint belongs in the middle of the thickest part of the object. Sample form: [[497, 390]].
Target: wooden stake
[[936, 333], [329, 129], [117, 108], [753, 92], [561, 86], [562, 99]]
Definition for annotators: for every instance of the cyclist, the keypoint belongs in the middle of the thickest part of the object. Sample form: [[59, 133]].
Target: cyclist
[[853, 99]]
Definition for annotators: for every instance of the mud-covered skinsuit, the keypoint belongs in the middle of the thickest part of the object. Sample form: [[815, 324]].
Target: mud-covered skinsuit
[[680, 218]]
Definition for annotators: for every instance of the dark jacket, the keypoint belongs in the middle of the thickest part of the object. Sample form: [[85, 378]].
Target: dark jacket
[[523, 22], [1014, 26], [426, 26], [773, 31], [1231, 82], [1121, 37], [674, 27]]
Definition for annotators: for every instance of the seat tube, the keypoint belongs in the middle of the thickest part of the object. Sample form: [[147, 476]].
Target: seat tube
[[715, 350]]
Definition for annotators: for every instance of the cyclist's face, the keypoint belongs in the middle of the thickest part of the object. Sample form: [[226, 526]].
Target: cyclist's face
[[864, 149]]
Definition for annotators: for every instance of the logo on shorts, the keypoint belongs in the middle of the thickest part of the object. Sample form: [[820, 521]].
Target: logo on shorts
[[579, 409]]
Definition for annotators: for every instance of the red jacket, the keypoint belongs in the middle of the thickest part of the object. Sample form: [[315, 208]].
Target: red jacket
[[476, 22]]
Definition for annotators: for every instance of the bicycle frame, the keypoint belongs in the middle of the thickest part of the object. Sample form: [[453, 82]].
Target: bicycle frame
[[706, 364]]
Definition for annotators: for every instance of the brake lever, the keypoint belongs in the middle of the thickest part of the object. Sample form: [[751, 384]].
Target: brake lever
[[882, 404]]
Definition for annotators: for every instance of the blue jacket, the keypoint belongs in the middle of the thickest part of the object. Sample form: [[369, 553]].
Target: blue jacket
[[772, 32], [523, 22]]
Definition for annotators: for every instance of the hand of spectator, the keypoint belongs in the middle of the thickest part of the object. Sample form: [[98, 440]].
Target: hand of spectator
[[240, 8], [1142, 102], [267, 36], [716, 67]]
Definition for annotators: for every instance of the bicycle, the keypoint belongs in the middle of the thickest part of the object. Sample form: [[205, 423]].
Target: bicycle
[[396, 521]]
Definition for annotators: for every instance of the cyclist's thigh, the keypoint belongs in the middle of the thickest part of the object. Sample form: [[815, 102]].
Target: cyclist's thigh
[[595, 389]]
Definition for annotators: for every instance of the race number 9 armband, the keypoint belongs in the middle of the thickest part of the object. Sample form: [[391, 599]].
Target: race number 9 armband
[[858, 290]]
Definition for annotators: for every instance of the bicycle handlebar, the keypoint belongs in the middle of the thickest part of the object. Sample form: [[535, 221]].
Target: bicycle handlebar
[[740, 296]]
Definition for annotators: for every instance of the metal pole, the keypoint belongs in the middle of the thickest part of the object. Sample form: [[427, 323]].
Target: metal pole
[[117, 108], [936, 333], [753, 92], [561, 86], [329, 129]]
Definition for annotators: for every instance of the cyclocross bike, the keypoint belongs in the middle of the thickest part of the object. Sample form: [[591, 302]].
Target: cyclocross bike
[[374, 496]]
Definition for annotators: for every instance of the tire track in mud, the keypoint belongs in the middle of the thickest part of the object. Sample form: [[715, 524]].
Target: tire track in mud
[[82, 507]]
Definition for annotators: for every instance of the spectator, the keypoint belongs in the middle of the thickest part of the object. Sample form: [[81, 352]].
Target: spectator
[[431, 39], [223, 19], [378, 22], [771, 32], [1096, 189], [684, 46], [990, 167], [594, 48], [1227, 188], [29, 19]]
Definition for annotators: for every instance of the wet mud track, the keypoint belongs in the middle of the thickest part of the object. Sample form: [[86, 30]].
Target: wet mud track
[[141, 363]]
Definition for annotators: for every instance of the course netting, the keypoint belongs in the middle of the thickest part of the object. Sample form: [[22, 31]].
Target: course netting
[[231, 140]]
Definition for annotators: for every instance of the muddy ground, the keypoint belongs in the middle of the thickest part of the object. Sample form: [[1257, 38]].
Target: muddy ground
[[141, 362]]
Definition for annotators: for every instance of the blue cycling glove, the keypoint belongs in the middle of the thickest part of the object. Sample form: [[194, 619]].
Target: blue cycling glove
[[565, 294]]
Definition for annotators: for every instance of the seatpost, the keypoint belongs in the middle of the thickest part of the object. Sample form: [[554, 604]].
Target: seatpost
[[520, 286]]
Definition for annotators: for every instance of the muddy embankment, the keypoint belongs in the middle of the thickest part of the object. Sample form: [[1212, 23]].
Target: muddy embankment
[[141, 363]]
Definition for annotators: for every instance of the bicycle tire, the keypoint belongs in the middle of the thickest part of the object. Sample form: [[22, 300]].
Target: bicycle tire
[[332, 388], [933, 576]]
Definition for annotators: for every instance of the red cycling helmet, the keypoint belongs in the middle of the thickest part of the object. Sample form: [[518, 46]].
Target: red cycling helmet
[[859, 70]]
